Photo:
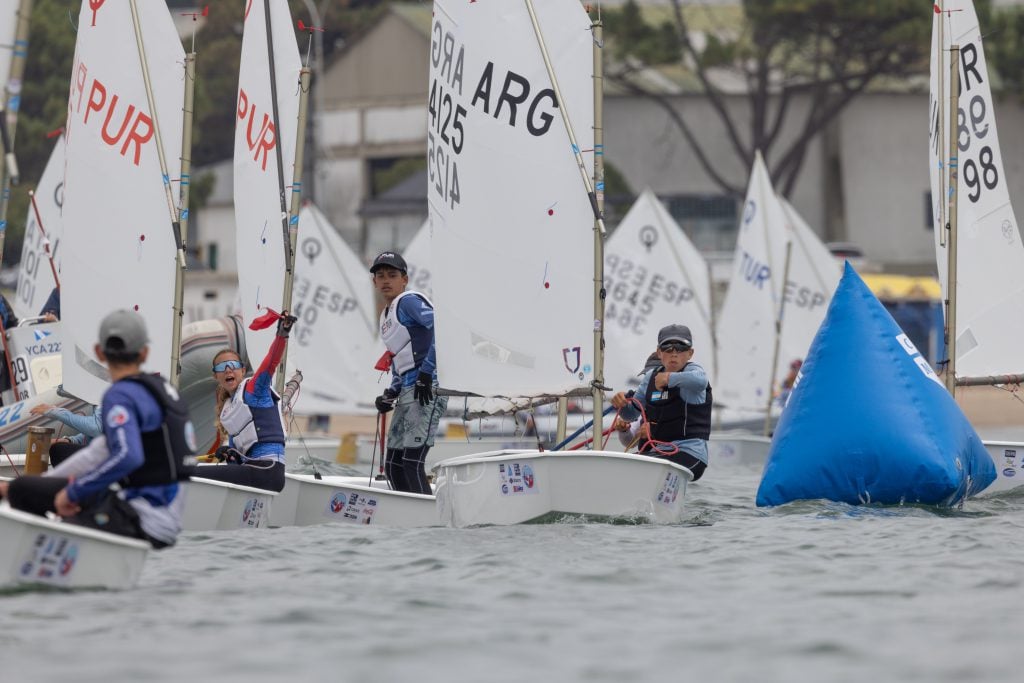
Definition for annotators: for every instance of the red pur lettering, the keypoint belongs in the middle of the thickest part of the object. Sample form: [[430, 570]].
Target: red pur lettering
[[140, 132], [265, 139]]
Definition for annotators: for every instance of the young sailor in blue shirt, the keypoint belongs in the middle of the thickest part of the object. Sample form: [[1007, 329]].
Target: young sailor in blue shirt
[[249, 412], [676, 399], [407, 330], [146, 448]]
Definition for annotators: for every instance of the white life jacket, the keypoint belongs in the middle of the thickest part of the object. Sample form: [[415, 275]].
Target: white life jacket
[[407, 351], [247, 425]]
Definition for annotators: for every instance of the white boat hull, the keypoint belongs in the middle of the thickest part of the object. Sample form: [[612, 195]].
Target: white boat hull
[[350, 500], [1008, 457], [36, 550], [745, 450], [216, 505], [525, 486]]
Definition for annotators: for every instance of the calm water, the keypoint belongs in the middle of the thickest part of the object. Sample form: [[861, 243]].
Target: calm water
[[808, 592]]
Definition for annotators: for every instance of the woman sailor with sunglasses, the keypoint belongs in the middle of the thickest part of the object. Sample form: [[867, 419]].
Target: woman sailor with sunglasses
[[675, 401], [249, 415]]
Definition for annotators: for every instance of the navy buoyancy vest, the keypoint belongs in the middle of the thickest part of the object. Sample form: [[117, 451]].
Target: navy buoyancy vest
[[168, 449], [673, 419]]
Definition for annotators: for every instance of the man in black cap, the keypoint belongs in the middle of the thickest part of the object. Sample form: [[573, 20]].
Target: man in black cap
[[146, 448], [407, 330], [676, 400]]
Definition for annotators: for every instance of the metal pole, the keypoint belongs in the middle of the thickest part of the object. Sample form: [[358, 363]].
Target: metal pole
[[942, 126], [184, 186], [12, 101], [778, 341], [175, 226], [599, 291], [951, 243], [293, 214], [313, 189], [289, 257]]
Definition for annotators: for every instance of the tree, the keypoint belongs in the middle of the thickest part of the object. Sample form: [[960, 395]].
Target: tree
[[826, 51], [1005, 49]]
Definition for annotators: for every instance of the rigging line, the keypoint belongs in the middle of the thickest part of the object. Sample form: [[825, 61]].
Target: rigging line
[[143, 62], [566, 121]]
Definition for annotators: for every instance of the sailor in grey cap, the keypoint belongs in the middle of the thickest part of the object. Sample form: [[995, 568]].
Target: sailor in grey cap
[[674, 399], [146, 448]]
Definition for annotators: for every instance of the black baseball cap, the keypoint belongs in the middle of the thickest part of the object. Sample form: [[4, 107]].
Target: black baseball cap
[[391, 259], [675, 333]]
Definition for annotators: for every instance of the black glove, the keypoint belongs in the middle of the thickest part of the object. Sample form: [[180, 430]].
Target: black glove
[[284, 325], [424, 389], [385, 402], [228, 454]]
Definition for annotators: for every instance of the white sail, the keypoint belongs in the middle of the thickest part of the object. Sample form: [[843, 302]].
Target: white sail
[[260, 182], [746, 325], [334, 341], [118, 247], [35, 277], [814, 274], [990, 258], [417, 257], [654, 277], [511, 221]]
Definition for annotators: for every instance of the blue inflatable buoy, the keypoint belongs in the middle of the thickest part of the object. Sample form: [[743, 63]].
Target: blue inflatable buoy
[[869, 421]]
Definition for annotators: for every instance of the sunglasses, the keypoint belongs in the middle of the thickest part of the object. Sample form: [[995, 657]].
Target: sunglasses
[[673, 348], [227, 365]]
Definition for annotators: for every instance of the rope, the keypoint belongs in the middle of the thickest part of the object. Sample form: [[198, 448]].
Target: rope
[[10, 460], [661, 448]]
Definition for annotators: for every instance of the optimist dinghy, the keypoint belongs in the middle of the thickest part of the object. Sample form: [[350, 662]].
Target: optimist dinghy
[[36, 550], [307, 500]]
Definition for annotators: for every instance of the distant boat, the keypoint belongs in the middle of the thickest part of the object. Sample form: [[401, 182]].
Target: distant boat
[[989, 287], [766, 288], [334, 343], [654, 277]]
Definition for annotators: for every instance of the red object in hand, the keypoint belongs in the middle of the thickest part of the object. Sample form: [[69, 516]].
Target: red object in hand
[[266, 320], [384, 362]]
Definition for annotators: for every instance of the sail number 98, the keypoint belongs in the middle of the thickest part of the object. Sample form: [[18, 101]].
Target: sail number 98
[[982, 172]]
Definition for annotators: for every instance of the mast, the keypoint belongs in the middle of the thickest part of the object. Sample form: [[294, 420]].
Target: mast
[[9, 113], [184, 186], [599, 229], [599, 291], [292, 228], [778, 341], [951, 240], [175, 225]]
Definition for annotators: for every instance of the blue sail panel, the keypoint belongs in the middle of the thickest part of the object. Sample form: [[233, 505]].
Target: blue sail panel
[[869, 421]]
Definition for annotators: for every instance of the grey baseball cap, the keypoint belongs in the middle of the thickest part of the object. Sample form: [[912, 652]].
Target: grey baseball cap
[[123, 331], [675, 333]]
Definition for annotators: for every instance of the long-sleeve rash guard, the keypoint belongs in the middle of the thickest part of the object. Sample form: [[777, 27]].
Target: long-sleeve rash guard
[[413, 311]]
